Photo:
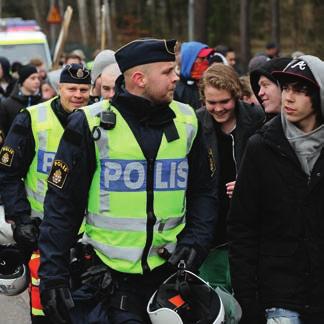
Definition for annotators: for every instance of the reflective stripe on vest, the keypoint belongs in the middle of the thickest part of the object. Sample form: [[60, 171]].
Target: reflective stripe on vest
[[47, 131], [117, 217]]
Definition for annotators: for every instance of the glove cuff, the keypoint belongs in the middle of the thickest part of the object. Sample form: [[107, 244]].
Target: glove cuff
[[53, 284], [22, 220]]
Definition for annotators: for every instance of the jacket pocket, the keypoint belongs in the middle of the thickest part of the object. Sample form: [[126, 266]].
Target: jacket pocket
[[280, 270]]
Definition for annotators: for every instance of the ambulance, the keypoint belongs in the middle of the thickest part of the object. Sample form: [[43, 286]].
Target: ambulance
[[21, 40]]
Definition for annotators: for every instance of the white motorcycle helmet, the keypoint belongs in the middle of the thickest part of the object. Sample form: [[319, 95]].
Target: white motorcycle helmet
[[6, 233], [184, 298], [14, 277]]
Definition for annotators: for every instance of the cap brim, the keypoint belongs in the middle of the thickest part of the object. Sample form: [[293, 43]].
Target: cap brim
[[206, 52], [281, 76]]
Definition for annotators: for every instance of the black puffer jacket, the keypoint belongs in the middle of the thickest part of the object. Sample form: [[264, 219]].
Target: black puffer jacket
[[7, 78], [249, 119], [9, 107], [276, 226]]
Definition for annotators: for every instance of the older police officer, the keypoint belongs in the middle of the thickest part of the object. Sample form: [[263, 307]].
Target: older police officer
[[138, 165], [26, 159]]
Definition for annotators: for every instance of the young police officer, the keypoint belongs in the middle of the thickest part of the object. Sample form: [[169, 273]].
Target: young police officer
[[276, 219], [26, 159], [141, 165]]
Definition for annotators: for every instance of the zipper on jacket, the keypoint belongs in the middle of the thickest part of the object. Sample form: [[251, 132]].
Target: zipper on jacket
[[308, 180], [151, 219], [233, 152]]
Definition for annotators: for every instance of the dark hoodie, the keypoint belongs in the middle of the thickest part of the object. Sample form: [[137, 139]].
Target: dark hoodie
[[186, 89], [6, 78], [276, 64], [10, 107]]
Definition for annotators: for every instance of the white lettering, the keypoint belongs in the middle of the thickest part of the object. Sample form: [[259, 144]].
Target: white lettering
[[300, 64], [47, 161], [182, 172], [173, 168], [134, 167], [160, 184], [112, 172]]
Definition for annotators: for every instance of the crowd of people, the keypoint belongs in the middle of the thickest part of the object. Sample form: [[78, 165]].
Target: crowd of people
[[158, 184]]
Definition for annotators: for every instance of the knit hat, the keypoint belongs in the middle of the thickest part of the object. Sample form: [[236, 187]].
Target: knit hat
[[217, 58], [103, 59], [144, 51], [25, 72], [276, 64], [75, 73], [257, 61]]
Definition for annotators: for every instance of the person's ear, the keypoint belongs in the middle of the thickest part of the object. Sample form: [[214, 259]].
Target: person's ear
[[139, 79]]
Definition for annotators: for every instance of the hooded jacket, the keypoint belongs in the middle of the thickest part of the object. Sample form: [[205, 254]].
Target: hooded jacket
[[9, 107], [276, 64], [186, 89], [276, 223], [5, 65]]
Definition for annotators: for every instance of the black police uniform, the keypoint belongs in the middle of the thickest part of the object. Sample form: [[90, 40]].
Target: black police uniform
[[20, 138], [64, 206]]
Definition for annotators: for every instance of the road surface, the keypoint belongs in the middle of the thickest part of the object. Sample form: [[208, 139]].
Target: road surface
[[15, 309]]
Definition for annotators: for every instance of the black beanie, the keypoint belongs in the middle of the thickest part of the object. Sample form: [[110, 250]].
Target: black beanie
[[25, 72], [276, 64]]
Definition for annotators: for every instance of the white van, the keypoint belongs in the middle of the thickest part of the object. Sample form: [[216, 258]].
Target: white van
[[21, 40]]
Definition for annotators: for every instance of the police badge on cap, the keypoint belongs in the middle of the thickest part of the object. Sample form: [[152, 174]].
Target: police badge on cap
[[75, 73]]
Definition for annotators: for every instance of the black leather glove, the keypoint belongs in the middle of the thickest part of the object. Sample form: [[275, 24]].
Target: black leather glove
[[186, 253], [99, 278], [26, 235], [57, 303]]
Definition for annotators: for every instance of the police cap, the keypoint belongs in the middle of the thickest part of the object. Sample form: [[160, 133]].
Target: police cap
[[75, 73], [144, 51]]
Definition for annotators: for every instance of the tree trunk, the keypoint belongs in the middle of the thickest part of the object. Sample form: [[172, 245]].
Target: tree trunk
[[97, 21], [191, 20], [245, 33], [61, 7], [40, 11], [83, 21], [200, 25], [108, 24], [275, 21]]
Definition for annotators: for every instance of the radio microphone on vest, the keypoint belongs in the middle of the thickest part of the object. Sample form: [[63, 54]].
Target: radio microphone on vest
[[107, 119]]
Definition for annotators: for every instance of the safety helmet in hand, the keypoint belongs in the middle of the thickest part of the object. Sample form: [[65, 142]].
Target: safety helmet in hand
[[6, 232], [14, 277], [184, 298]]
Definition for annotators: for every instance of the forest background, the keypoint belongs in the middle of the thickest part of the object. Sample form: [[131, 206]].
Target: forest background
[[245, 25]]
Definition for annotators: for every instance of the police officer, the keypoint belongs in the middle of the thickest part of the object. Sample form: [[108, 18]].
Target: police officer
[[138, 165], [26, 159]]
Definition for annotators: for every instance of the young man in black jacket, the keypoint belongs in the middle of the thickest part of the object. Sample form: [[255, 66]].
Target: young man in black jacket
[[25, 94], [275, 224], [227, 124], [265, 86]]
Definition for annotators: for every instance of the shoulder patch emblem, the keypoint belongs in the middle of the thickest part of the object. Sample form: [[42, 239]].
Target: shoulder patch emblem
[[212, 164], [6, 156], [58, 174]]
